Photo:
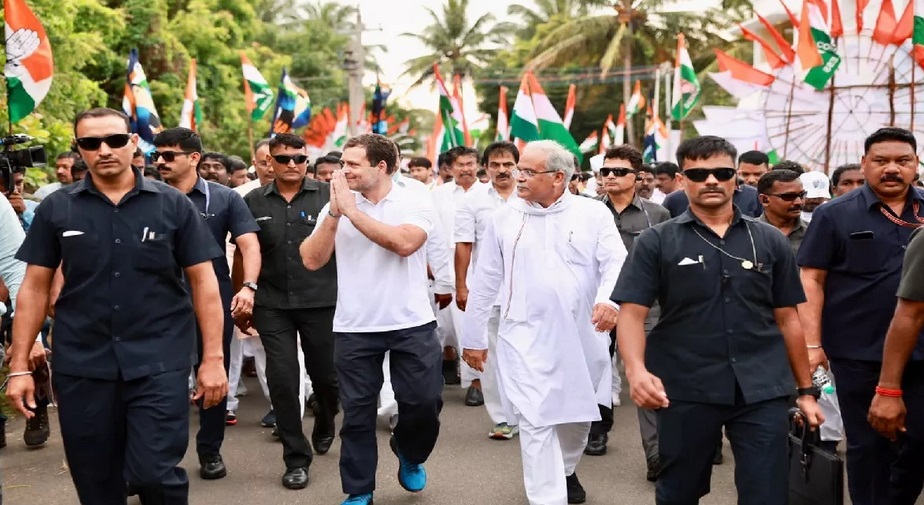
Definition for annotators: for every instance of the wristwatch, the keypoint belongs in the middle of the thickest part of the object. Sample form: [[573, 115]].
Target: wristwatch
[[251, 285], [812, 391]]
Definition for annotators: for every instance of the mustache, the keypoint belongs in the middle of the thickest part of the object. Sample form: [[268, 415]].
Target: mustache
[[891, 178], [795, 208], [706, 191]]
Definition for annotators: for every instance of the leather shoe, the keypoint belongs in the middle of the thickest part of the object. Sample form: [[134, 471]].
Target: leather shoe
[[576, 493], [718, 459], [295, 478], [212, 467], [473, 397], [596, 445], [322, 443]]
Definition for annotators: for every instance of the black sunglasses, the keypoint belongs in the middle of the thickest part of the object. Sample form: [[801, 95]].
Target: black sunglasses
[[790, 197], [618, 172], [701, 174], [114, 141], [168, 156], [284, 159]]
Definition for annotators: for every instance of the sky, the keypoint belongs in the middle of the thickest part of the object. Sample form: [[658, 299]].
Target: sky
[[385, 21]]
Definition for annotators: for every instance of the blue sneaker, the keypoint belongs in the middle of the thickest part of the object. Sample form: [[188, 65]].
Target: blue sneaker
[[269, 420], [412, 477], [359, 499]]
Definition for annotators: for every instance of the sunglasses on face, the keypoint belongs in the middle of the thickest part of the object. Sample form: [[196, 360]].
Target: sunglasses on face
[[618, 172], [114, 141], [168, 156], [790, 197], [701, 174], [284, 159]]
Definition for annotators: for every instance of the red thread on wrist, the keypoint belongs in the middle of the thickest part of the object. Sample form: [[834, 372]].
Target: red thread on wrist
[[892, 393]]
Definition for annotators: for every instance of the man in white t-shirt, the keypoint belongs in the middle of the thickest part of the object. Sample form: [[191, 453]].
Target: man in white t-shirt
[[379, 230]]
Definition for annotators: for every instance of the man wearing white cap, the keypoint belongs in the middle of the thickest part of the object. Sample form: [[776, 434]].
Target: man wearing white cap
[[594, 187], [817, 191]]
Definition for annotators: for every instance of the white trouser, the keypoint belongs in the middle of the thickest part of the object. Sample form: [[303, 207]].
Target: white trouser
[[833, 428], [388, 406], [617, 379], [234, 369], [492, 394], [449, 329], [550, 453], [304, 385], [253, 346]]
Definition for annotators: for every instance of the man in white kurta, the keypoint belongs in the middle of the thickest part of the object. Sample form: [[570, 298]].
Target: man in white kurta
[[463, 162], [554, 258]]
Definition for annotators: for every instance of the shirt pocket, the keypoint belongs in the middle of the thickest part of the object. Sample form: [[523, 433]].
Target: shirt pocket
[[864, 255], [580, 248], [690, 284], [156, 255], [80, 253]]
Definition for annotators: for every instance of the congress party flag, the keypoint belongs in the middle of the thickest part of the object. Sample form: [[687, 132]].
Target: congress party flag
[[138, 104], [191, 114], [29, 64], [258, 96]]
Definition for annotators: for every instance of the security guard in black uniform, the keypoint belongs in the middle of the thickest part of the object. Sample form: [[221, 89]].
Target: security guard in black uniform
[[728, 288], [125, 327]]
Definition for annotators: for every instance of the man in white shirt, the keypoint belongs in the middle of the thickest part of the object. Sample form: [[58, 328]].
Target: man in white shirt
[[554, 258], [463, 162], [472, 217], [379, 230], [421, 169], [63, 164]]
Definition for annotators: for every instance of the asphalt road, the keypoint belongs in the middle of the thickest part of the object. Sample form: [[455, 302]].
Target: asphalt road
[[466, 467]]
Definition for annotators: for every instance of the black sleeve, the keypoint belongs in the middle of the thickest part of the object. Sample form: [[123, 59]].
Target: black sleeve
[[240, 218], [640, 277], [787, 286], [42, 245], [193, 242], [676, 203]]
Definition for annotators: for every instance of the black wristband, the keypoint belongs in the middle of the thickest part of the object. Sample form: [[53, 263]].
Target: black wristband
[[812, 391]]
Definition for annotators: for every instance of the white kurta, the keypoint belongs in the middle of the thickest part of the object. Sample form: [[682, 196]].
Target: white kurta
[[551, 267]]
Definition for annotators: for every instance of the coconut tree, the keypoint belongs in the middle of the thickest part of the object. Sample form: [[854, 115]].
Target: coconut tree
[[455, 43], [547, 11]]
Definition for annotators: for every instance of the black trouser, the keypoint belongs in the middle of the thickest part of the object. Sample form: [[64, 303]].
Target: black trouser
[[416, 376], [605, 424], [279, 330], [687, 435], [878, 471], [212, 420], [118, 431]]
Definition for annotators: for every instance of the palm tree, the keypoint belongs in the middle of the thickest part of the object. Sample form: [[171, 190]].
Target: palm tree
[[454, 43], [547, 11], [631, 29]]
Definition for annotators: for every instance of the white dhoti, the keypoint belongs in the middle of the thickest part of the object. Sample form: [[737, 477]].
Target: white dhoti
[[490, 389], [255, 347], [550, 453], [449, 329]]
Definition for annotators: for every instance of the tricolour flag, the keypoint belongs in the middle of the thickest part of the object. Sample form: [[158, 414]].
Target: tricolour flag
[[457, 97], [550, 123], [918, 37], [524, 127], [450, 113], [636, 101], [606, 136], [619, 134], [686, 88], [138, 104], [293, 107], [656, 135], [569, 105], [191, 114], [258, 96], [29, 63], [817, 54], [342, 127], [503, 121], [590, 143], [738, 78]]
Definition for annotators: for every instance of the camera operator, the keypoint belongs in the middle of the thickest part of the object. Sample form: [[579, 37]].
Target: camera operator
[[25, 209]]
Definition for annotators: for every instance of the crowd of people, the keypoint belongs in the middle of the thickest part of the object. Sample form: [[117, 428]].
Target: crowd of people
[[732, 290]]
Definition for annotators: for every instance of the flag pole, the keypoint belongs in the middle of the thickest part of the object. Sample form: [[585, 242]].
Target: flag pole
[[253, 154]]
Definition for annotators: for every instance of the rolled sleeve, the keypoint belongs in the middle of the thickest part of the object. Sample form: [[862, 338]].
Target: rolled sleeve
[[193, 242], [911, 287], [641, 276]]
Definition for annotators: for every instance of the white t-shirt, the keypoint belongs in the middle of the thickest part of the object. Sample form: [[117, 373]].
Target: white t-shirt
[[46, 190], [378, 290]]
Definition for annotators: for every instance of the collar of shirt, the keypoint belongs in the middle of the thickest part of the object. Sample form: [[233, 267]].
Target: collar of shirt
[[199, 186], [800, 224], [636, 202], [394, 194], [870, 199], [141, 184], [307, 185], [689, 217]]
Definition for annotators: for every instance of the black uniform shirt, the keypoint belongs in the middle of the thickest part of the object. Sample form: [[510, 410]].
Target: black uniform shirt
[[124, 309], [284, 282], [717, 328]]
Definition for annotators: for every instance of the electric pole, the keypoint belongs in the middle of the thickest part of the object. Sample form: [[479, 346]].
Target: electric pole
[[354, 60]]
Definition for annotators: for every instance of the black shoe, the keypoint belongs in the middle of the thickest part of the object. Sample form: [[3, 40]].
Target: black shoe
[[654, 470], [322, 442], [131, 489], [212, 467], [276, 434], [295, 478], [596, 445], [2, 434], [473, 397], [576, 493], [37, 428], [312, 404], [718, 459], [451, 372]]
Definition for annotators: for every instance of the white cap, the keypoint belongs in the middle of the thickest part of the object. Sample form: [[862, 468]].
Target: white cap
[[816, 185], [596, 163]]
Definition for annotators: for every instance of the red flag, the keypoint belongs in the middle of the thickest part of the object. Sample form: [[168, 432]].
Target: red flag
[[788, 53], [905, 28], [774, 60], [837, 25], [792, 17], [884, 31], [861, 6]]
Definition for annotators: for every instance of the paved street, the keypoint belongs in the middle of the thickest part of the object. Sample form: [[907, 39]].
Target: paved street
[[466, 467]]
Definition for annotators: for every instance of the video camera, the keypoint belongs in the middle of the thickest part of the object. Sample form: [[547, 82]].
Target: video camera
[[33, 156]]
